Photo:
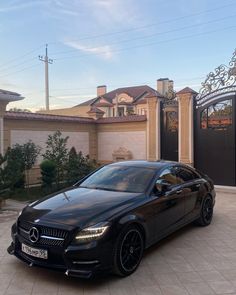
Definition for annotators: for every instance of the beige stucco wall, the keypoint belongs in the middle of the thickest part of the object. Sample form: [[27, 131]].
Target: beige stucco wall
[[82, 136], [97, 140], [78, 140], [43, 126], [134, 141], [75, 111]]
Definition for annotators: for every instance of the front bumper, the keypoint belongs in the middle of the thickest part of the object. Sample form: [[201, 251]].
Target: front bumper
[[84, 261]]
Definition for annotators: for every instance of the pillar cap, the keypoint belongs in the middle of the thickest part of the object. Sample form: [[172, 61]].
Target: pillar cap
[[187, 90]]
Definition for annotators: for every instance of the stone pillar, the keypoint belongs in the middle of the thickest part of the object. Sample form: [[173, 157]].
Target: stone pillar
[[5, 98], [186, 127], [153, 128]]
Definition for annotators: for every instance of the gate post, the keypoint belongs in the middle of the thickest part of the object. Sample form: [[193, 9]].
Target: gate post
[[153, 128], [186, 128]]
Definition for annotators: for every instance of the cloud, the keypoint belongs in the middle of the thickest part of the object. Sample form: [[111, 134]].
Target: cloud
[[122, 12], [18, 5], [103, 51]]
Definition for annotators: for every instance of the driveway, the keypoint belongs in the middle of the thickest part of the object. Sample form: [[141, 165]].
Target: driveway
[[192, 261]]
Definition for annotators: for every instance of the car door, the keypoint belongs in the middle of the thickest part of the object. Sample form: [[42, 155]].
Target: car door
[[191, 186], [169, 204]]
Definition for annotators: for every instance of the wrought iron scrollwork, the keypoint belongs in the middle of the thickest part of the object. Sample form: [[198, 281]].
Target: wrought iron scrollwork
[[222, 78]]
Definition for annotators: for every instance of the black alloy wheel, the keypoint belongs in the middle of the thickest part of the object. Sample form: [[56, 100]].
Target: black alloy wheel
[[206, 212], [129, 251]]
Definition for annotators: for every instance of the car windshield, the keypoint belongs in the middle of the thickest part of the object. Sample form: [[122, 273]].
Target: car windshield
[[120, 178]]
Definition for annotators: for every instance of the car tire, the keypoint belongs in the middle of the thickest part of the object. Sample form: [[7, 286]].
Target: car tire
[[129, 251], [206, 212]]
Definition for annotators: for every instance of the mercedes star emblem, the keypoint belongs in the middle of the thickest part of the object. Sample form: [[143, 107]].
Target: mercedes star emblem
[[34, 235]]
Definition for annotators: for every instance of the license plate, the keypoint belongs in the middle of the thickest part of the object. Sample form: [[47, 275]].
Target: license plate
[[39, 253]]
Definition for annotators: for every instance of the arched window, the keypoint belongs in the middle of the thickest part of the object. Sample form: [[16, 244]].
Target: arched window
[[217, 116]]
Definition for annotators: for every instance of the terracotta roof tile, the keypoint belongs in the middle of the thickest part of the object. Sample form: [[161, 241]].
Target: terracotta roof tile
[[137, 92], [45, 117], [95, 110]]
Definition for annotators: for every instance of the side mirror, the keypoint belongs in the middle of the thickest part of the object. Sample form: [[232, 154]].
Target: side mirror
[[162, 185]]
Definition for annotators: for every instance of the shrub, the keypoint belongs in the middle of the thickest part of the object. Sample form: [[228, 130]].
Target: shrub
[[56, 151], [78, 166], [48, 172], [12, 173]]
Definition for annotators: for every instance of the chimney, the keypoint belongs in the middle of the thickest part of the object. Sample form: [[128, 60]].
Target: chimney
[[164, 86], [101, 90]]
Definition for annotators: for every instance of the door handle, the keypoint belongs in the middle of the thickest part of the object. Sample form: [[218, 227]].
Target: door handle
[[179, 191]]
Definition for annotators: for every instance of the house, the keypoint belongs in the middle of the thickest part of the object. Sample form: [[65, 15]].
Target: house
[[118, 102]]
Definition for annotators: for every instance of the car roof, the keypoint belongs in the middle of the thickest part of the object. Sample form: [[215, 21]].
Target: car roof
[[147, 164]]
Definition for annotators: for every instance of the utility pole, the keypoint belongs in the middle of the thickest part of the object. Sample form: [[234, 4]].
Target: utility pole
[[46, 61]]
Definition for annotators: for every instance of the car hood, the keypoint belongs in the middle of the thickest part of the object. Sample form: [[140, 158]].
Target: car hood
[[80, 206]]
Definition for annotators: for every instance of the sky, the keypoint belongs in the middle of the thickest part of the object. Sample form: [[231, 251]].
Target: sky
[[116, 43]]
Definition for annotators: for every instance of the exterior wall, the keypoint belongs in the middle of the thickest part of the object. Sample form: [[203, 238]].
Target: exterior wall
[[80, 111], [78, 140], [131, 136], [82, 136]]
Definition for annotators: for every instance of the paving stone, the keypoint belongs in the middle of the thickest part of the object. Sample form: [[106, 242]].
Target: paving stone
[[193, 261]]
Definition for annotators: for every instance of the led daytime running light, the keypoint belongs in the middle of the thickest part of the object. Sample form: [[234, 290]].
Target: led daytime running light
[[91, 233]]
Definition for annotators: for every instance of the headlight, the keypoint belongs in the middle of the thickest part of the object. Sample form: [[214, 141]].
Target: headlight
[[91, 233]]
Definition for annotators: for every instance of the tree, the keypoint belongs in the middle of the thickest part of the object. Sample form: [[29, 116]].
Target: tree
[[48, 172], [72, 167], [57, 152], [13, 171], [78, 166], [19, 160], [30, 154]]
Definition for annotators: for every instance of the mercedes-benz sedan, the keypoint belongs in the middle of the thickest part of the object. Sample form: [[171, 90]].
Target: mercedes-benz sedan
[[106, 221]]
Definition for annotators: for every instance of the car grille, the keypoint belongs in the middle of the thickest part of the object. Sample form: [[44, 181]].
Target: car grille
[[48, 236]]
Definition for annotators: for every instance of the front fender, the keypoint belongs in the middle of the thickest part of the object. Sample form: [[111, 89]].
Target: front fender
[[133, 219]]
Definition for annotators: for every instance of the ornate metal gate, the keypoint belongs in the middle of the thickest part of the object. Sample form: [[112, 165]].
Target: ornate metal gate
[[169, 130], [215, 110]]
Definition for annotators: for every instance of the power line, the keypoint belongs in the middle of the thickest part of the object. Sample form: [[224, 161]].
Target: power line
[[22, 70], [151, 44], [92, 88], [130, 40], [17, 65], [123, 31], [153, 24], [155, 34], [23, 55]]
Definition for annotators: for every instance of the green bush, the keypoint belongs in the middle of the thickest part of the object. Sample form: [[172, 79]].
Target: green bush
[[78, 166], [56, 151], [12, 170], [48, 172]]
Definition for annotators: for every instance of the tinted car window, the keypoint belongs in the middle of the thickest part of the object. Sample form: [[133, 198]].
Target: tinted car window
[[120, 178], [168, 175], [185, 174]]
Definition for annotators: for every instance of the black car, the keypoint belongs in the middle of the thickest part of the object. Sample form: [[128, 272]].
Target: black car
[[104, 222]]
